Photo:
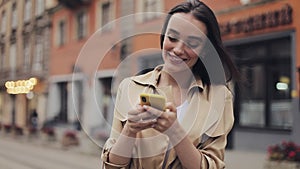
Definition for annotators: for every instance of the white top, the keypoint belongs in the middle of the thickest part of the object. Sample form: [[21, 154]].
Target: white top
[[181, 110]]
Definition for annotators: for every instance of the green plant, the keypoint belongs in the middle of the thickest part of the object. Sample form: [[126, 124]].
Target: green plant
[[288, 151]]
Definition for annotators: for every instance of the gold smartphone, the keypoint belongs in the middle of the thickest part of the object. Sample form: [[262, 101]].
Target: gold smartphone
[[153, 100]]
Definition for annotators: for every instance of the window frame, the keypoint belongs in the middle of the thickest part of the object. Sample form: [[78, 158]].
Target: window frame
[[13, 57], [39, 7], [38, 57], [148, 14], [14, 15], [3, 22], [267, 112], [27, 11], [81, 20], [61, 35], [2, 57], [109, 25], [149, 60], [27, 54]]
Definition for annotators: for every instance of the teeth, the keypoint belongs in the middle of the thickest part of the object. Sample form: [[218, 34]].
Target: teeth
[[176, 58]]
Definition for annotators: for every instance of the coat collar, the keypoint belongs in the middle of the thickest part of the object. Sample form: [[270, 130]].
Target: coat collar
[[152, 78]]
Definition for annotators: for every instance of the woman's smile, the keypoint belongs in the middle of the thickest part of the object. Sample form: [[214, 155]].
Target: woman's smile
[[176, 59]]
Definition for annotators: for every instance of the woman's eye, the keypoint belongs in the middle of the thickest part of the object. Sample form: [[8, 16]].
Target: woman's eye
[[172, 39], [193, 43]]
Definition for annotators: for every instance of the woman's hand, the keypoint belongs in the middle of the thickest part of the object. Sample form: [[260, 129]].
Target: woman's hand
[[138, 120], [165, 119]]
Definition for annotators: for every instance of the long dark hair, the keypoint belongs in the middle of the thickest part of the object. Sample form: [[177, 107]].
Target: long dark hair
[[204, 14]]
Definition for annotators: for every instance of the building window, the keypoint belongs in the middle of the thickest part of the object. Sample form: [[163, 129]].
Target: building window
[[13, 58], [107, 102], [81, 21], [27, 11], [245, 2], [77, 100], [124, 49], [38, 56], [62, 116], [106, 13], [14, 18], [27, 59], [149, 62], [61, 33], [2, 56], [150, 9], [3, 23], [40, 7], [265, 101]]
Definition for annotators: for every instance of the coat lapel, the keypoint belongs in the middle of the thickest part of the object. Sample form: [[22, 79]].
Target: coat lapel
[[204, 113]]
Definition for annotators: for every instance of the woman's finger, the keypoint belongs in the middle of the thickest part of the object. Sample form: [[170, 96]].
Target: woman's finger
[[142, 116], [141, 125], [153, 111], [136, 111]]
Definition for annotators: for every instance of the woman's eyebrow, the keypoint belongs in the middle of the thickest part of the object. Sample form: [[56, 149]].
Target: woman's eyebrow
[[195, 38], [190, 37]]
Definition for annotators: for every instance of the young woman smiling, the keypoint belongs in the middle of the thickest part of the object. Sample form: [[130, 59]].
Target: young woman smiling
[[192, 131]]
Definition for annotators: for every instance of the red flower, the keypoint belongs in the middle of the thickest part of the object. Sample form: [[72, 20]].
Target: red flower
[[292, 154], [284, 151]]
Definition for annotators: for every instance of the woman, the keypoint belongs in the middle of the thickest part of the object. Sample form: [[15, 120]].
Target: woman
[[192, 131]]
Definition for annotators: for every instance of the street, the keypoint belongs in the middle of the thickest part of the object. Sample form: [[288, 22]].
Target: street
[[23, 155], [245, 159]]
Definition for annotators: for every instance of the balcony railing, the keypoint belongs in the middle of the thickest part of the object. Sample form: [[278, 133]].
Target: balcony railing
[[73, 4]]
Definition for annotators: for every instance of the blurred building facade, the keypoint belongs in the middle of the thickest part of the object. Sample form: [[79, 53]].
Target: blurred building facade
[[259, 33], [24, 53], [90, 44], [79, 51]]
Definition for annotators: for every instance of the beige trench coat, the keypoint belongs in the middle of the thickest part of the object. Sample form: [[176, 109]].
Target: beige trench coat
[[208, 120]]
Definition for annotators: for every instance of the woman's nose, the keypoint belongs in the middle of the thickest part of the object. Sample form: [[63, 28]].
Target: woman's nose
[[179, 48]]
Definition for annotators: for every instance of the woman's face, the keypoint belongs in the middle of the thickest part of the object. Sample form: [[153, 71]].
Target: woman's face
[[185, 37]]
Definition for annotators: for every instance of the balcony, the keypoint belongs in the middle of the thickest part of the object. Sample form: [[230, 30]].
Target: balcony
[[74, 4]]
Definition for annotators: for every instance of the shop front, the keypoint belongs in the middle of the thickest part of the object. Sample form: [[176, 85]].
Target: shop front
[[262, 39], [19, 100]]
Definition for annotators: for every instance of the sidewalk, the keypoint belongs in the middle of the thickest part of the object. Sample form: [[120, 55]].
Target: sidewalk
[[235, 159], [242, 159], [86, 145]]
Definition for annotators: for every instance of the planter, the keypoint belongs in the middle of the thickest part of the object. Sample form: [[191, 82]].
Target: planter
[[69, 141], [7, 128], [32, 131], [281, 165], [18, 131], [49, 133]]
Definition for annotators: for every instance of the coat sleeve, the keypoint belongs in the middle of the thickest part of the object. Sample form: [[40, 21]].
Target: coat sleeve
[[117, 126], [213, 148]]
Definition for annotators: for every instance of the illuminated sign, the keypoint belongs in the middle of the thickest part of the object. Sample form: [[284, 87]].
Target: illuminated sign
[[20, 86]]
